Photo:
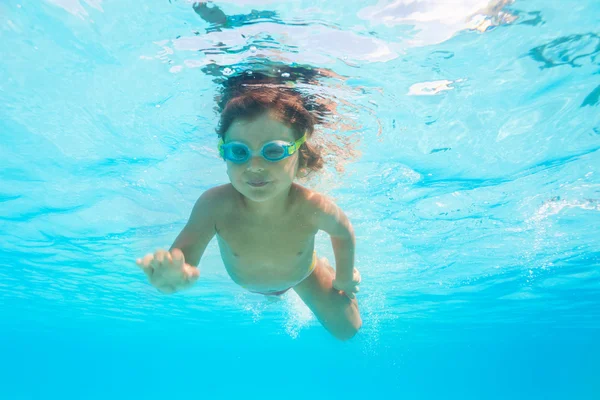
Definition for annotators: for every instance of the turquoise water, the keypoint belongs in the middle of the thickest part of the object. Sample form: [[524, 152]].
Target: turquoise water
[[463, 144]]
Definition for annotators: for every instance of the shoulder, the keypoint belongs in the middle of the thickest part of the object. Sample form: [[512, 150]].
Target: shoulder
[[325, 214], [215, 195], [314, 204], [215, 200], [218, 193], [312, 199]]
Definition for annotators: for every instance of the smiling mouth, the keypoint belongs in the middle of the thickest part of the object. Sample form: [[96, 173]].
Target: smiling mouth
[[257, 183]]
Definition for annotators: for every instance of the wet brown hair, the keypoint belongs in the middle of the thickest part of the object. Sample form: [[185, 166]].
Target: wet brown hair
[[249, 101]]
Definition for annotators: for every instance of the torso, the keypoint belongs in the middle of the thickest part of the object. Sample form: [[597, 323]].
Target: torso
[[266, 254]]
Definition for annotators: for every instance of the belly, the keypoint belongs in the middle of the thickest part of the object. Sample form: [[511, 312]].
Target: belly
[[266, 274]]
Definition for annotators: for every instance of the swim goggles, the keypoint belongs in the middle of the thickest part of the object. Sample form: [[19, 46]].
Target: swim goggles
[[276, 150]]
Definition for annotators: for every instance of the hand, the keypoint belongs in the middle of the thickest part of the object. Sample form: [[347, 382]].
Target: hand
[[350, 287], [168, 272]]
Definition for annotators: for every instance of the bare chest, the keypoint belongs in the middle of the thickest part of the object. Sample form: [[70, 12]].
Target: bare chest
[[265, 253], [247, 237]]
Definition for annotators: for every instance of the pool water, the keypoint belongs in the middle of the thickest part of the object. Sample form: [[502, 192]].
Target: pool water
[[462, 140]]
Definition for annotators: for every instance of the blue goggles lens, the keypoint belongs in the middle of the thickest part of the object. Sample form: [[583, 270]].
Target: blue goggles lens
[[276, 150]]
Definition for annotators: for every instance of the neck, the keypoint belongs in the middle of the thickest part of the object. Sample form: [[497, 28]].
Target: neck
[[274, 207]]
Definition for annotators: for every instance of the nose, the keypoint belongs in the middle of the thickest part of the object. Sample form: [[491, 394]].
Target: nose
[[256, 163]]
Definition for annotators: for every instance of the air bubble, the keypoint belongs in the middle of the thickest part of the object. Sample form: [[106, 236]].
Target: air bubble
[[285, 75], [227, 71]]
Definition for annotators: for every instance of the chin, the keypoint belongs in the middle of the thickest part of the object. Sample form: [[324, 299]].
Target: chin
[[258, 195], [257, 199]]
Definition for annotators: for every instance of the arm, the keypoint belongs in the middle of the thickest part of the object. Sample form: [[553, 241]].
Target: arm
[[200, 228], [331, 219], [174, 270]]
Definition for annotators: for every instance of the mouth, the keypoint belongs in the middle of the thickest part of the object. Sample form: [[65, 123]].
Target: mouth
[[257, 183]]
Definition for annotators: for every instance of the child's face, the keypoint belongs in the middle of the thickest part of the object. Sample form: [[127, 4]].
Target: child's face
[[258, 179]]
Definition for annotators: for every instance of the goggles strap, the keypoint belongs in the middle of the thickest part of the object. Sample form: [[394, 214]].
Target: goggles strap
[[296, 145]]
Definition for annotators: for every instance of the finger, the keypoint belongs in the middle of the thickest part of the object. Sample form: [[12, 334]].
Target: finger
[[177, 257], [145, 261], [154, 263], [177, 254], [356, 276], [334, 285], [350, 295], [191, 273], [163, 259], [159, 256], [145, 265]]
